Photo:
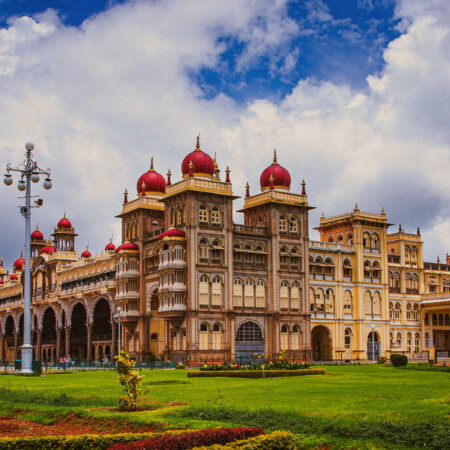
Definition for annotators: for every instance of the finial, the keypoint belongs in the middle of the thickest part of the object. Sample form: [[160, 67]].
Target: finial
[[21, 253], [271, 182], [399, 227], [382, 211], [247, 190], [438, 261], [322, 217], [418, 231], [1, 262], [303, 187], [356, 207], [197, 148], [151, 165], [64, 217], [169, 174], [125, 196], [191, 169], [227, 171], [274, 156]]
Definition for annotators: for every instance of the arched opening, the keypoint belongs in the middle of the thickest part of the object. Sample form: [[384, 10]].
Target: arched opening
[[48, 338], [9, 338], [78, 333], [249, 340], [101, 330], [373, 346], [321, 343]]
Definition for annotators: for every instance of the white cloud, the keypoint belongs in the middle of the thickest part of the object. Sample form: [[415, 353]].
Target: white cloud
[[100, 100]]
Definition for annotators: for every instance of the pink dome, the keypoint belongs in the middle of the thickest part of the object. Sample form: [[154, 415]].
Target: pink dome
[[64, 222], [151, 182], [86, 254], [281, 177], [202, 163], [110, 247], [36, 235], [127, 246], [18, 264], [172, 232]]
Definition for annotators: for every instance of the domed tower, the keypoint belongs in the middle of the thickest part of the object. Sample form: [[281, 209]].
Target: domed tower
[[198, 164], [275, 177], [19, 264], [64, 236], [37, 242]]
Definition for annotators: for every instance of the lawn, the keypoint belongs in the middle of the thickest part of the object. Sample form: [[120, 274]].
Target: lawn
[[351, 406]]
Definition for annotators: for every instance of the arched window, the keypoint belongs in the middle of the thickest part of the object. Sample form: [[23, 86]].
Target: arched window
[[259, 248], [284, 338], [215, 215], [375, 244], [217, 243], [248, 247], [203, 291], [283, 226], [203, 249], [173, 335], [391, 311], [237, 246], [417, 343], [447, 320], [366, 240], [409, 342], [216, 292], [340, 238], [293, 225], [409, 311], [295, 296], [348, 302], [249, 294], [203, 214], [367, 303], [441, 319], [216, 337], [399, 339], [426, 319], [237, 293], [295, 337], [391, 340], [320, 300], [312, 299], [348, 339], [427, 339], [179, 216], [330, 239], [376, 304], [434, 319], [347, 269], [329, 302], [260, 294], [397, 311], [284, 295], [204, 336]]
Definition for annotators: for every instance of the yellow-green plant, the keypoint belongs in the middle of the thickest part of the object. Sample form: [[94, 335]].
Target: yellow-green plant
[[130, 381]]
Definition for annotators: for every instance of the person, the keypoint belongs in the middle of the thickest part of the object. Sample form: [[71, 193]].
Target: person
[[62, 362], [68, 361]]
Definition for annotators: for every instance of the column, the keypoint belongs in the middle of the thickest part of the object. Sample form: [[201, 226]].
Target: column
[[58, 344], [2, 347], [16, 345], [67, 331], [233, 339], [89, 342], [113, 339], [39, 345]]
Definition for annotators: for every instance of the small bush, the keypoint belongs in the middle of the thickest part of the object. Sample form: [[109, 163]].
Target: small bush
[[180, 366], [382, 360], [275, 441], [255, 373], [130, 381], [398, 360], [192, 439]]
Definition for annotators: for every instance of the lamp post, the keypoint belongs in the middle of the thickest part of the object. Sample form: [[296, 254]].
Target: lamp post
[[29, 171], [119, 315], [373, 342]]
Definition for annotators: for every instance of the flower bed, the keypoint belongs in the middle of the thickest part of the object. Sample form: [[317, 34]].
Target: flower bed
[[254, 373], [274, 441], [192, 439]]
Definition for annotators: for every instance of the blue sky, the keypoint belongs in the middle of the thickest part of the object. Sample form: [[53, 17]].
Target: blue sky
[[352, 94]]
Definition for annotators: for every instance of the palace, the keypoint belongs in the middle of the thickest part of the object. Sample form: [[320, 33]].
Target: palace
[[195, 286]]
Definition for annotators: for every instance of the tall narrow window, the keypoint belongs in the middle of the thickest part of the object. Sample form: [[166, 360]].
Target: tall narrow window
[[283, 226], [348, 339], [203, 291], [367, 303], [348, 302], [284, 338], [293, 225], [216, 337], [296, 337], [215, 215], [237, 293], [203, 213], [284, 295], [295, 296], [329, 302], [260, 294], [376, 304], [204, 338], [216, 294], [249, 294]]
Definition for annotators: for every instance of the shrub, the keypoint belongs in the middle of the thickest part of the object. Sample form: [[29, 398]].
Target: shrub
[[275, 441], [130, 381], [399, 360], [382, 360], [192, 439], [180, 366], [255, 373]]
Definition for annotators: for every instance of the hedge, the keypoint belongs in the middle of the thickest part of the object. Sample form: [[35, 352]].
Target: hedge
[[255, 373], [278, 440], [70, 442], [398, 360], [192, 439]]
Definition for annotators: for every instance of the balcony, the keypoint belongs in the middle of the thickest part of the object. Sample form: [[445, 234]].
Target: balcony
[[127, 274], [394, 290], [172, 311], [395, 259], [412, 291], [246, 229]]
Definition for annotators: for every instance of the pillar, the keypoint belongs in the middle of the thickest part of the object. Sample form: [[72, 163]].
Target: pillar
[[89, 342], [16, 345], [39, 345], [114, 340], [67, 331], [58, 344]]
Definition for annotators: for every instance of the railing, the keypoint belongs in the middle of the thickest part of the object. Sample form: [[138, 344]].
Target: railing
[[394, 290], [394, 259], [412, 291], [246, 229], [437, 266], [154, 233], [331, 246]]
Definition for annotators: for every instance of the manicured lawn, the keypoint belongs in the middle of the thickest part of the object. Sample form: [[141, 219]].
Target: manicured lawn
[[359, 406]]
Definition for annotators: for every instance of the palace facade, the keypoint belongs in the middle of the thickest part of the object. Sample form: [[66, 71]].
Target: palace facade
[[194, 286]]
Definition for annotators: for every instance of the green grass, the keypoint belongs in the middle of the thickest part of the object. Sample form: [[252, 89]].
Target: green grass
[[351, 406]]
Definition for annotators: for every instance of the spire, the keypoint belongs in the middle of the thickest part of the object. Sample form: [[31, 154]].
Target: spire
[[400, 228], [169, 174], [227, 171], [197, 148], [151, 165], [303, 187], [125, 196], [216, 167], [418, 231], [247, 190], [383, 213], [274, 156]]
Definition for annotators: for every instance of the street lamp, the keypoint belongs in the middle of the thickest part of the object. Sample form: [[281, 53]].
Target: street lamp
[[373, 342], [29, 171], [119, 315]]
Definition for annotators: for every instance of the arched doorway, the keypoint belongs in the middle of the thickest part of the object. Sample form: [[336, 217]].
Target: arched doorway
[[321, 343], [101, 330], [373, 346], [249, 340], [78, 333], [9, 338], [48, 339]]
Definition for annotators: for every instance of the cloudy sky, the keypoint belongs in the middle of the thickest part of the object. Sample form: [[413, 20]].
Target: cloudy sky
[[354, 95]]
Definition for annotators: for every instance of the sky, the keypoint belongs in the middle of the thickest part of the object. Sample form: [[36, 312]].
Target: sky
[[353, 95]]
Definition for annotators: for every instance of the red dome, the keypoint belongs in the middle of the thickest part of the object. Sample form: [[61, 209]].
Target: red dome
[[14, 277], [48, 248], [36, 235], [86, 254], [1, 281], [18, 265], [151, 182], [202, 164], [64, 222], [127, 246], [172, 232], [281, 177], [110, 247]]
